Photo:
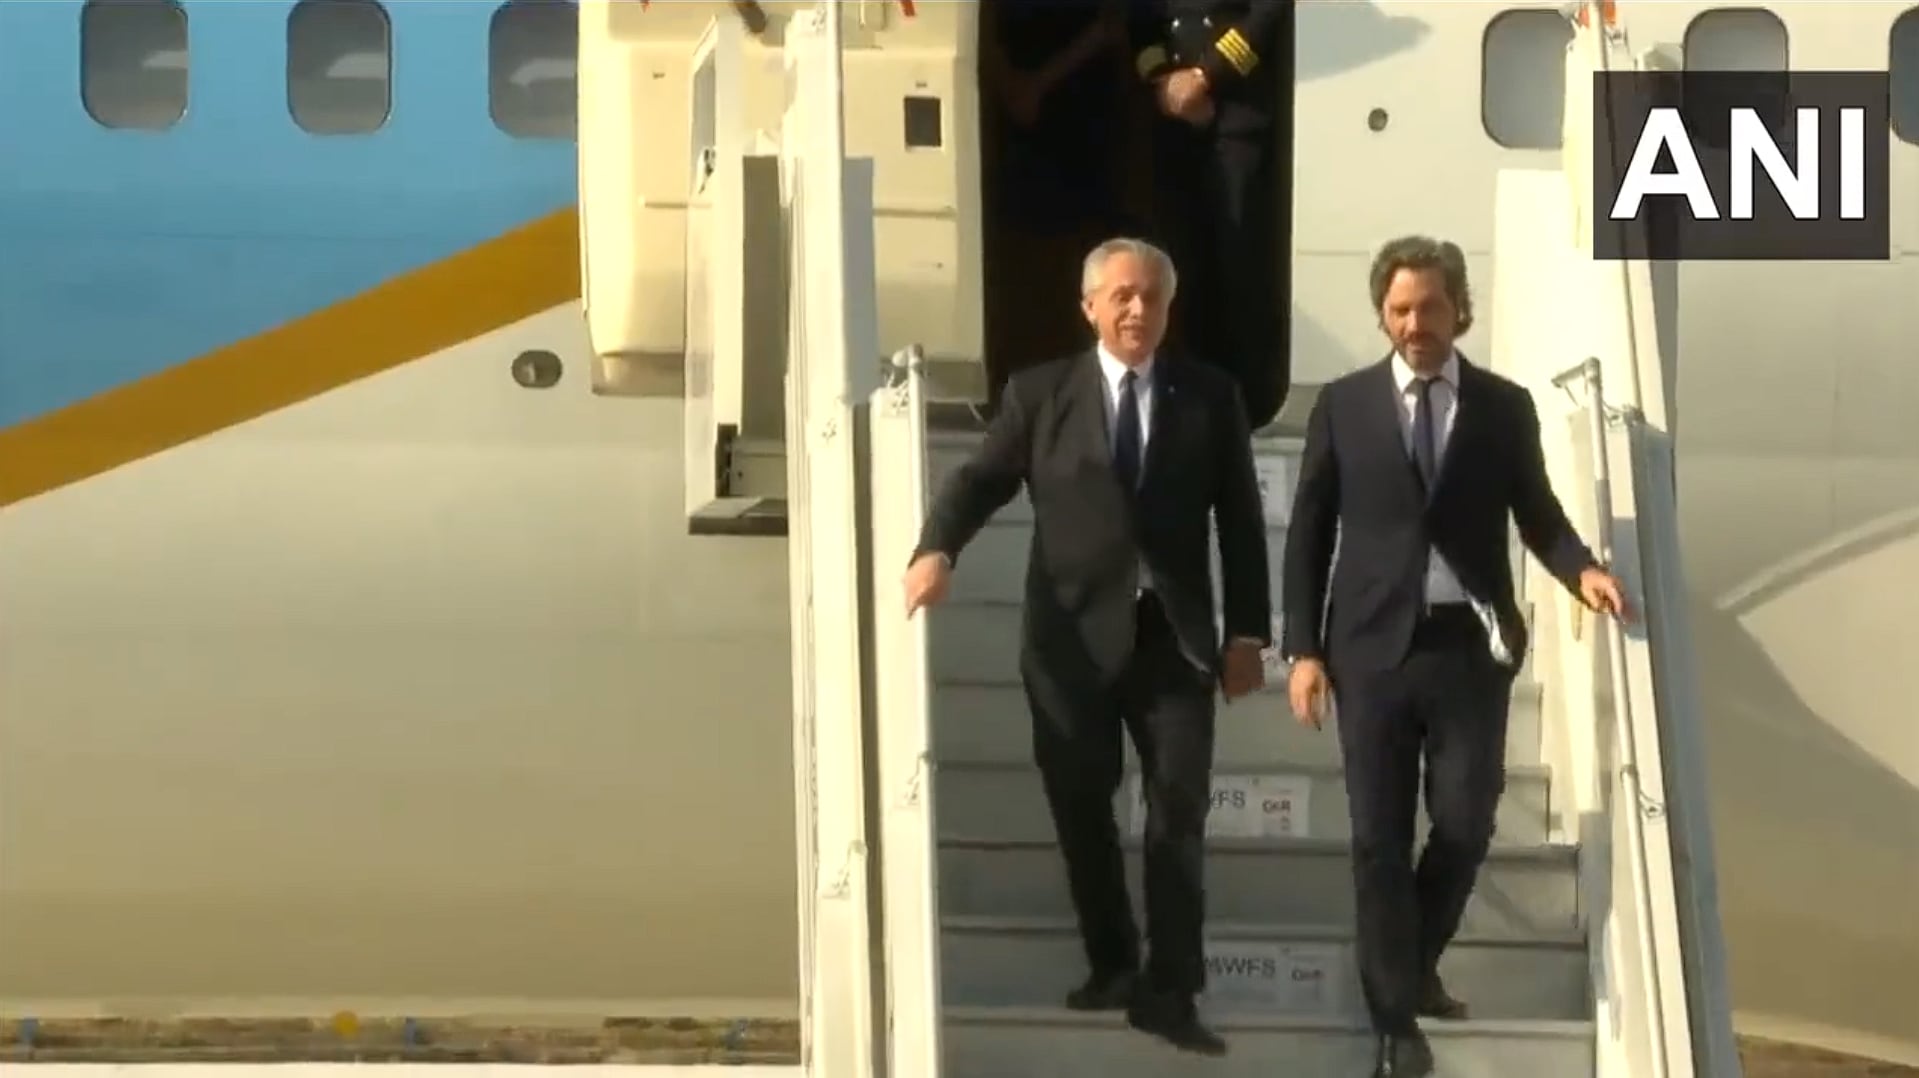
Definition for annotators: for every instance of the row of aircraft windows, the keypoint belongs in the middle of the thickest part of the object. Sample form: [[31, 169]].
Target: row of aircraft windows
[[1523, 67], [339, 65], [134, 71]]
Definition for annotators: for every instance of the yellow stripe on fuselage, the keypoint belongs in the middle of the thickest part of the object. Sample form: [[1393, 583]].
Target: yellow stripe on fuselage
[[531, 269]]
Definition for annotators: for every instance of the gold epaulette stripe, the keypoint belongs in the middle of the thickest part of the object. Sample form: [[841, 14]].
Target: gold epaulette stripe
[[1237, 51]]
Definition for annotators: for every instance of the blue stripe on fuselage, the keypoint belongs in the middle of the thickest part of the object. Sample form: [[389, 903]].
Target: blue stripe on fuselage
[[123, 253]]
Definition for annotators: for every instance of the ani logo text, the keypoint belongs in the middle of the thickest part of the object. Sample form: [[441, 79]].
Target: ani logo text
[[1741, 165]]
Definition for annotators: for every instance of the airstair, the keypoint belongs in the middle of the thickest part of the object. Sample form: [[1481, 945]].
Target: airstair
[[938, 939], [1590, 946]]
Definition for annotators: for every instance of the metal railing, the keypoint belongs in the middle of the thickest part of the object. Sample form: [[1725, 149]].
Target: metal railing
[[1627, 783], [903, 726]]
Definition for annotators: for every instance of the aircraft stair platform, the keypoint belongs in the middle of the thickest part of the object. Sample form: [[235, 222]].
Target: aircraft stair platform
[[1591, 945], [1283, 985]]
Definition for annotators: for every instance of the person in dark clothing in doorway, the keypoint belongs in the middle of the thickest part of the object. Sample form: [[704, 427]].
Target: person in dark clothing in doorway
[[1057, 109], [1052, 69], [1215, 68]]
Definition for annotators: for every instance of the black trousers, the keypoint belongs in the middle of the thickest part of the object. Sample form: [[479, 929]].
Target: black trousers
[[1166, 703], [1216, 210], [1447, 701]]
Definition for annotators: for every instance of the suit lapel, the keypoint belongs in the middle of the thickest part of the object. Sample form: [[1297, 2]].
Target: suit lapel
[[1466, 406], [1085, 426], [1166, 409]]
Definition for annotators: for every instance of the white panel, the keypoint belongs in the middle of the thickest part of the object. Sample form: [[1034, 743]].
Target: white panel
[[903, 686], [374, 703], [1417, 65], [714, 255], [833, 321], [1379, 86]]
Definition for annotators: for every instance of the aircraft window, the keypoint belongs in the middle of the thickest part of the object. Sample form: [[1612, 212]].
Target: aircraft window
[[339, 66], [1903, 64], [534, 68], [1522, 78], [1736, 39], [133, 63]]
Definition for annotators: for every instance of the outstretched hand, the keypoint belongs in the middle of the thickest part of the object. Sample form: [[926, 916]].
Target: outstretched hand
[[1600, 591], [927, 581]]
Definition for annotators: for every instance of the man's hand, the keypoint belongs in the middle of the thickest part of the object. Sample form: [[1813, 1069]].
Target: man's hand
[[1307, 690], [927, 580], [1185, 95], [1601, 591], [1241, 670]]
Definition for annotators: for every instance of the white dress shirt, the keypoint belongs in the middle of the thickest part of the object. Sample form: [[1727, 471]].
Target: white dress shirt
[[1442, 586], [1114, 370]]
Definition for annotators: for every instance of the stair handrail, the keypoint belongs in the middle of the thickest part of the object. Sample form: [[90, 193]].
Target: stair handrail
[[1589, 375], [903, 729]]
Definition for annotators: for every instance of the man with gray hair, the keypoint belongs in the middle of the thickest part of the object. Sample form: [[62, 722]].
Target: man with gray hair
[[1128, 456]]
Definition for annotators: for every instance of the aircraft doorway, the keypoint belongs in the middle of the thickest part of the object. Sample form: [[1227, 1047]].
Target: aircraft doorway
[[1064, 170]]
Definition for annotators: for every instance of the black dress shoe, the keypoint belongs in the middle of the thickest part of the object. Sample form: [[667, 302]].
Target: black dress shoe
[[1103, 992], [1175, 1020], [1436, 1002], [1403, 1055]]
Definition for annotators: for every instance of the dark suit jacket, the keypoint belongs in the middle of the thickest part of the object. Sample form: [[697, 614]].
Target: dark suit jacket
[[1356, 474], [1089, 534]]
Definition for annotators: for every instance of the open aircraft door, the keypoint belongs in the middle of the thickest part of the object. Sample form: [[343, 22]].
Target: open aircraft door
[[679, 240]]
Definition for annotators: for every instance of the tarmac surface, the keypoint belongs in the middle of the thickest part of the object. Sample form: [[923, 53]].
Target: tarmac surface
[[656, 1042], [1769, 1059]]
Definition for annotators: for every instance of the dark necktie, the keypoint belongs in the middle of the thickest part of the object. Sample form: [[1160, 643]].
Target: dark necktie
[[1126, 432], [1425, 453]]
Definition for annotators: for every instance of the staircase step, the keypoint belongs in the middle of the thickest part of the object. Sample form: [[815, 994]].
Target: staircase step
[[1524, 892], [986, 720], [1006, 801], [1264, 970], [1008, 1042]]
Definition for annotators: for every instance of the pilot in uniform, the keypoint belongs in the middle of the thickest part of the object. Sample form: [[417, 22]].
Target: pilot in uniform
[[1216, 188]]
